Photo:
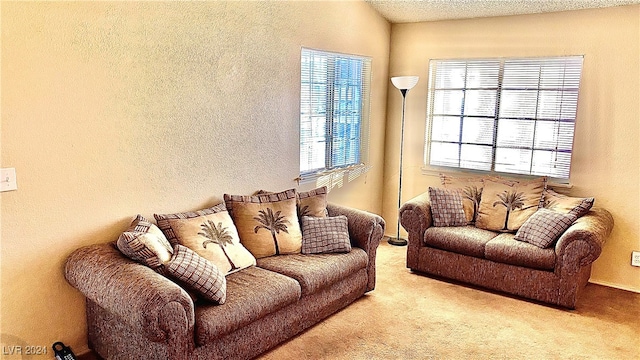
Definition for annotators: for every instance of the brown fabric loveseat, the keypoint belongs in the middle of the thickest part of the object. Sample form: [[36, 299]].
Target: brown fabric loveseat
[[493, 260], [135, 313]]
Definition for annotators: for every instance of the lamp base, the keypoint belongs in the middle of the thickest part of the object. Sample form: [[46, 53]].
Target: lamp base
[[397, 241]]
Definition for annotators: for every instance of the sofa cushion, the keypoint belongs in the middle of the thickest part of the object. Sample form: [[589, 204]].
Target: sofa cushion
[[506, 205], [315, 272], [252, 293], [198, 274], [446, 207], [325, 235], [471, 191], [211, 234], [267, 224], [466, 240], [505, 249]]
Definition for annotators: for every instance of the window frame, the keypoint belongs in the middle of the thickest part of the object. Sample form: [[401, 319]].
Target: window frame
[[364, 87], [429, 168]]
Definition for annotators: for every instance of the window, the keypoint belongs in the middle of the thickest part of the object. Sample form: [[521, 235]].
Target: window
[[334, 110], [504, 115]]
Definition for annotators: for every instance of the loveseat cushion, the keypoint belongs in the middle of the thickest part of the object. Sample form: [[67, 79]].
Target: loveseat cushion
[[252, 293], [466, 240], [315, 272], [505, 249]]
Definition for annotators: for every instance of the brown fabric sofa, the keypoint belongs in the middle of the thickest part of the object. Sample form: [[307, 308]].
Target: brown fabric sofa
[[135, 313], [554, 275]]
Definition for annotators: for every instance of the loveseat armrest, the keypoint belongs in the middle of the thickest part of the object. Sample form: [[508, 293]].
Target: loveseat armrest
[[581, 244], [415, 217], [145, 300], [365, 230]]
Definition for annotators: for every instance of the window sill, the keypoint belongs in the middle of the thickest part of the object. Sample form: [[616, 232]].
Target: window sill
[[553, 183], [334, 177]]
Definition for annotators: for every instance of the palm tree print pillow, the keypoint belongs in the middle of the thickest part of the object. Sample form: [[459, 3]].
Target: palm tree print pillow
[[268, 223], [505, 206], [567, 204], [211, 234], [471, 191]]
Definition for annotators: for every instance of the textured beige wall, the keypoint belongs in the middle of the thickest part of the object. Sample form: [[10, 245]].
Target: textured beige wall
[[606, 162], [116, 108]]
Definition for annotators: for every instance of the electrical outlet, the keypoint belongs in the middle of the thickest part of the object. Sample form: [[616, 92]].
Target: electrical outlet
[[8, 179], [635, 258]]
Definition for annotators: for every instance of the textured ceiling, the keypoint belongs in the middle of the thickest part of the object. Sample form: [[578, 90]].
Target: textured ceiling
[[404, 11]]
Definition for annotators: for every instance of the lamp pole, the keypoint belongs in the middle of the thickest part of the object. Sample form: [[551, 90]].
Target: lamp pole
[[404, 84]]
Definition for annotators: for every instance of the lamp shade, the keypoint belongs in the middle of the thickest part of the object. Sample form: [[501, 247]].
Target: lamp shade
[[404, 82]]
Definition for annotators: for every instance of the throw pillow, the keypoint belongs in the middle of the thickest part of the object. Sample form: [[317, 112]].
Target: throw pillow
[[313, 202], [309, 203], [325, 235], [544, 227], [211, 234], [471, 191], [446, 207], [506, 205], [268, 223], [566, 204], [145, 243], [198, 274]]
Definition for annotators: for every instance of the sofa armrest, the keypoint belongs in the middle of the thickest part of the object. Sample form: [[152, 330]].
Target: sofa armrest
[[581, 244], [365, 230], [140, 297], [415, 217]]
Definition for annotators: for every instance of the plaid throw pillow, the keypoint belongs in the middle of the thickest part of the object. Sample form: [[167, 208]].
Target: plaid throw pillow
[[446, 207], [145, 243], [544, 227], [325, 235], [198, 274]]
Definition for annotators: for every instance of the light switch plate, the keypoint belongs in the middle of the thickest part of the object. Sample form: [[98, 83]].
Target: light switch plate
[[8, 179], [635, 258]]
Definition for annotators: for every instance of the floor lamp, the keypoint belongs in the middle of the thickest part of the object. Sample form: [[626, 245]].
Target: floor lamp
[[404, 84]]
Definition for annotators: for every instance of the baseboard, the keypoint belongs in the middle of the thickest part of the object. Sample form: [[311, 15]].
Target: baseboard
[[615, 286]]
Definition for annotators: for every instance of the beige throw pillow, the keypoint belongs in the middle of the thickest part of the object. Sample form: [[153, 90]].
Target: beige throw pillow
[[471, 191], [566, 204], [211, 234], [268, 223], [505, 206], [313, 202]]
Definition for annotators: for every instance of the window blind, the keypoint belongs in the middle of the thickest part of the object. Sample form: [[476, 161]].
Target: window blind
[[334, 110], [504, 115]]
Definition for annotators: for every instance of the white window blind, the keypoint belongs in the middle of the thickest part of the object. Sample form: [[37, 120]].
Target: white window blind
[[504, 115], [334, 110]]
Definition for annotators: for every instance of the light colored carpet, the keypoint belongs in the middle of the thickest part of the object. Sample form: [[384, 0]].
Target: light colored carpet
[[411, 316]]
